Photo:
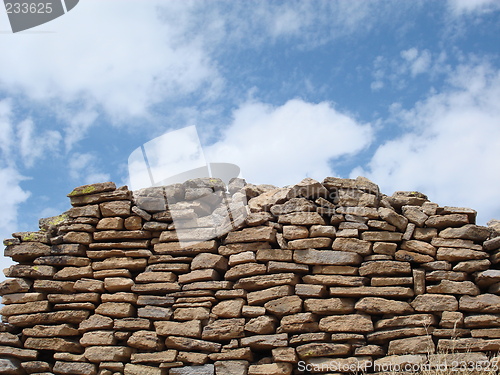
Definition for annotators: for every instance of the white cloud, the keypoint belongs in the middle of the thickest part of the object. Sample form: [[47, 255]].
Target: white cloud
[[35, 144], [85, 169], [459, 7], [452, 152], [281, 145], [118, 56]]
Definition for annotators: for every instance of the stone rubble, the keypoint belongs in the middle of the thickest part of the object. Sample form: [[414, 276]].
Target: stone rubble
[[310, 274]]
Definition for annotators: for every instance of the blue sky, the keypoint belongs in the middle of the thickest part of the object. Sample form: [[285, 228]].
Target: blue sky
[[406, 93]]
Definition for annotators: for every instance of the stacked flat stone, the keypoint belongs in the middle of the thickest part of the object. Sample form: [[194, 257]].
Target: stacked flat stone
[[316, 273]]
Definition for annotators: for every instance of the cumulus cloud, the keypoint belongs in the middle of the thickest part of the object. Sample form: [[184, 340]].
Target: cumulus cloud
[[85, 168], [283, 144], [452, 149]]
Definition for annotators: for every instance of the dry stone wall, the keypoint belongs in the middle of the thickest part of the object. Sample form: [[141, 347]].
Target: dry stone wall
[[312, 278]]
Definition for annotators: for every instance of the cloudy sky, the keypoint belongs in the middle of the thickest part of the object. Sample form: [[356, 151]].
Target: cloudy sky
[[405, 93]]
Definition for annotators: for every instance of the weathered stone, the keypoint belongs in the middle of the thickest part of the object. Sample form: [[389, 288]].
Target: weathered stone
[[329, 306], [454, 287], [17, 285], [156, 357], [120, 262], [145, 340], [245, 270], [261, 325], [271, 369], [116, 309], [295, 232], [265, 342], [266, 281], [284, 305], [412, 345], [415, 320], [434, 302], [301, 218], [321, 349], [207, 260], [346, 323], [335, 280], [415, 215], [73, 273], [352, 245], [155, 288], [266, 234], [482, 321], [382, 337], [399, 221], [100, 354], [419, 247], [384, 268], [466, 232], [381, 306], [409, 256], [190, 328], [457, 255], [190, 313], [470, 266], [154, 312], [224, 329], [134, 369], [361, 291], [190, 344], [98, 338], [445, 221], [67, 316], [483, 303], [262, 296], [84, 285], [399, 362], [31, 272], [10, 366], [26, 308], [96, 322], [53, 343], [82, 238], [27, 251], [468, 344], [326, 257], [229, 308]]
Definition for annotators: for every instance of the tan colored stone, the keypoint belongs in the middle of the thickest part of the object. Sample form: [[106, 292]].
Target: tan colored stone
[[261, 325], [382, 236], [145, 340], [74, 273], [352, 245], [329, 306], [28, 271], [245, 270], [262, 296], [468, 344], [110, 223], [155, 277], [25, 308], [326, 257], [419, 247], [445, 221], [50, 331], [96, 322], [378, 291], [264, 255], [156, 357], [382, 337], [391, 281], [321, 349], [100, 354], [385, 268], [53, 343], [116, 309], [191, 328], [284, 305], [335, 280], [190, 344], [409, 256], [87, 285], [412, 345], [266, 281], [224, 329], [414, 320], [382, 306], [454, 287], [301, 218], [346, 323], [483, 303], [229, 308], [154, 312], [310, 243], [457, 255], [265, 234], [271, 369], [17, 285], [67, 316], [95, 338], [393, 218], [434, 303], [82, 238], [191, 313], [265, 342]]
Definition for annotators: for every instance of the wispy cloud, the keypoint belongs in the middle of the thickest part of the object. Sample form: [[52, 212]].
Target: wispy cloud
[[85, 168], [451, 150]]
